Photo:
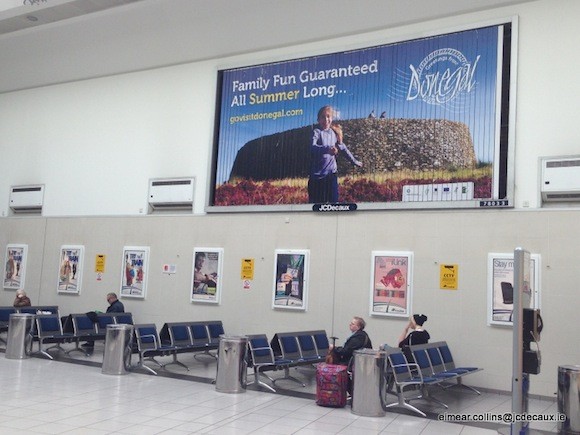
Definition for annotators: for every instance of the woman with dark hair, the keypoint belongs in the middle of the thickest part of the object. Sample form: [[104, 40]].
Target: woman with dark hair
[[414, 332]]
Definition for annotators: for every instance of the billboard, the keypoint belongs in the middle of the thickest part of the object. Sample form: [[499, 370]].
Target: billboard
[[419, 123]]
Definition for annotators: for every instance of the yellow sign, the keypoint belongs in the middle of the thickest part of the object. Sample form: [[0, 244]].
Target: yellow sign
[[100, 263], [448, 276], [247, 268]]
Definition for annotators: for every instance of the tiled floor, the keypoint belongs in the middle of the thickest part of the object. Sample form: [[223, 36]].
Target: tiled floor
[[64, 396]]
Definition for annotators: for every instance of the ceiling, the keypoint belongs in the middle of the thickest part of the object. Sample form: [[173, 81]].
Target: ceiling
[[56, 41]]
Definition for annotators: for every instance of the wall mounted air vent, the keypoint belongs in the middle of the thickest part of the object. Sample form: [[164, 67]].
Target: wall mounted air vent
[[171, 194], [27, 199], [560, 179]]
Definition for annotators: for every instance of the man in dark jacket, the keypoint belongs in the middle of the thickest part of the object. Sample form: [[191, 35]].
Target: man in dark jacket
[[358, 340], [115, 305]]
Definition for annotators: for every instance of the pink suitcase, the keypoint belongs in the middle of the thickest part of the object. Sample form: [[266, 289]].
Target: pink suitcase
[[331, 385]]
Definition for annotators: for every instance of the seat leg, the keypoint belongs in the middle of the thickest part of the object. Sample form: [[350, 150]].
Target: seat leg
[[258, 381], [288, 376], [77, 348], [176, 361], [461, 384], [427, 396], [402, 403], [141, 363], [205, 353], [42, 351], [148, 368]]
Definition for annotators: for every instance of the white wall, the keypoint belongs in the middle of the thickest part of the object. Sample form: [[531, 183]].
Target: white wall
[[95, 143]]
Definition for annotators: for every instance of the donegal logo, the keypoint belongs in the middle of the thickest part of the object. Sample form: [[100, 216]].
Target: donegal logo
[[442, 76]]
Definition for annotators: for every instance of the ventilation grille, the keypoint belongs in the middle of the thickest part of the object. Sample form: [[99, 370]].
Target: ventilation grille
[[560, 179], [171, 194]]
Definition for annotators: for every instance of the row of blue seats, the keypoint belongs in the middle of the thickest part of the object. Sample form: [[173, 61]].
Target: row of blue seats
[[50, 328], [433, 365], [75, 328], [176, 338], [5, 313], [50, 331], [284, 351]]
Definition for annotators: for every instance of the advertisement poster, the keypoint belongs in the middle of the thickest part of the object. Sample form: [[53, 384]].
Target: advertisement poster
[[70, 269], [391, 283], [15, 261], [207, 274], [290, 279], [410, 122], [134, 272], [501, 287]]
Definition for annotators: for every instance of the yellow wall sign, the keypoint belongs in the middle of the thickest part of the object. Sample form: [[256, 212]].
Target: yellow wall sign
[[100, 263], [247, 268], [448, 276]]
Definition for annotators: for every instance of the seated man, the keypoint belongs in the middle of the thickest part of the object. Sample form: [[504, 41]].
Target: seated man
[[358, 340], [115, 306]]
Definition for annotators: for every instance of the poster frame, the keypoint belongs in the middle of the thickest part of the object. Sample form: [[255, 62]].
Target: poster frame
[[299, 273], [76, 271], [17, 283], [400, 258], [493, 306], [216, 273], [127, 290]]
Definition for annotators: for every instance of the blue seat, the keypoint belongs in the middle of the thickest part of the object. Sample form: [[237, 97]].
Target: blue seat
[[123, 318], [200, 336], [408, 381], [5, 313], [215, 329], [149, 346], [262, 359], [180, 338], [308, 348], [291, 349], [424, 362], [84, 329], [437, 362], [449, 364], [179, 335], [104, 319], [321, 341], [49, 331]]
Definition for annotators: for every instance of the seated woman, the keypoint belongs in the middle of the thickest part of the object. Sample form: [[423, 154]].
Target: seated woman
[[358, 340], [417, 334], [21, 299]]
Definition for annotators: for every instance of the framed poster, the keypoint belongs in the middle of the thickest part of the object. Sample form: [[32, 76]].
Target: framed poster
[[70, 270], [391, 283], [134, 272], [290, 279], [500, 280], [419, 123], [15, 271], [206, 278]]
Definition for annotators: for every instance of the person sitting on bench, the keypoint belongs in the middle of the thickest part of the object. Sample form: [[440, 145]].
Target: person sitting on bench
[[115, 306], [359, 339], [413, 334]]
